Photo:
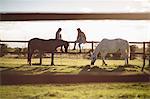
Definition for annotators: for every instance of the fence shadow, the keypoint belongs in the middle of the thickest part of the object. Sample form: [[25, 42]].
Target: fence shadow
[[87, 69]]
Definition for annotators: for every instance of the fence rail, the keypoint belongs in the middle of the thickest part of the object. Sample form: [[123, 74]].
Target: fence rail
[[23, 41], [92, 48], [73, 16]]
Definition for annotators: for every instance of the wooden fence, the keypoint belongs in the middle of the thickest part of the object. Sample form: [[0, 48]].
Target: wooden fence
[[144, 54], [73, 16]]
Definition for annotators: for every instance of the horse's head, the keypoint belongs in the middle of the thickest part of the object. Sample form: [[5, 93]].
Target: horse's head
[[93, 58], [66, 45]]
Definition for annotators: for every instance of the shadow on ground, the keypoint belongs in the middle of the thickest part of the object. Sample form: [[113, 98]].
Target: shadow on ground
[[57, 74], [64, 69]]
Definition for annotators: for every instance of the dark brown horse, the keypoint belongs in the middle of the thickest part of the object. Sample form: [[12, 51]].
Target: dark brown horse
[[45, 46]]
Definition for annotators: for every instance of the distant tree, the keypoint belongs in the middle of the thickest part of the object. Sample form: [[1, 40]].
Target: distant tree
[[18, 51], [25, 50], [3, 49], [11, 50], [132, 50]]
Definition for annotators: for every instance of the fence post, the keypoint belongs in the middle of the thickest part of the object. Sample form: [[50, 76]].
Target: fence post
[[149, 61], [0, 50], [143, 56], [40, 58], [92, 46]]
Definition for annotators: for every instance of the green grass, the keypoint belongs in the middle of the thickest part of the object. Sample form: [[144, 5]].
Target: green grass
[[77, 91], [72, 91], [68, 65]]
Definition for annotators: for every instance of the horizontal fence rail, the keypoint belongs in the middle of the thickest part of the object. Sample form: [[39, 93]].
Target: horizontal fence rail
[[90, 42], [22, 41], [73, 16]]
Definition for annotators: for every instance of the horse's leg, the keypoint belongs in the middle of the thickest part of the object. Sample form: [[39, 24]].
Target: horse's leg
[[52, 58], [104, 63], [127, 60], [61, 49], [103, 59], [30, 56], [125, 56]]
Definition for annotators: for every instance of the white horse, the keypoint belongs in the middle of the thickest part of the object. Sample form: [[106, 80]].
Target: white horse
[[111, 46]]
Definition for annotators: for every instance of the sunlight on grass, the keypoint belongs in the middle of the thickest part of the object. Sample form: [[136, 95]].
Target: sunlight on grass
[[66, 61], [83, 91], [12, 62], [66, 65]]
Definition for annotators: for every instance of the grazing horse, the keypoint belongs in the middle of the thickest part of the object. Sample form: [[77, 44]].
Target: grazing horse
[[111, 46], [45, 46]]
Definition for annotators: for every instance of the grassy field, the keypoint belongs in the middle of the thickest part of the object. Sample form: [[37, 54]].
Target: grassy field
[[77, 91], [68, 65], [73, 91]]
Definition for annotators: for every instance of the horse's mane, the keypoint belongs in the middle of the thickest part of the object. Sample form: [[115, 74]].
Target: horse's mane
[[48, 39]]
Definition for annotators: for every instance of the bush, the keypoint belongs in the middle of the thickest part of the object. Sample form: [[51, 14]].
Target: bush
[[132, 50], [3, 50]]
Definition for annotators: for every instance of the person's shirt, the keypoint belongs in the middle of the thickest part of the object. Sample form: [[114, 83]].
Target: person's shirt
[[58, 35], [81, 37]]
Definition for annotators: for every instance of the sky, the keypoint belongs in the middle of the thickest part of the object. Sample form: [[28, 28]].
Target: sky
[[95, 30], [74, 6]]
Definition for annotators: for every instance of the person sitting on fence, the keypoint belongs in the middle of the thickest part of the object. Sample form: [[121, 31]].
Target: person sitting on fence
[[58, 36], [81, 38]]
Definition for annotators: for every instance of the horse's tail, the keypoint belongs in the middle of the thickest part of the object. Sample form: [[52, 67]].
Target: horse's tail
[[128, 50], [29, 53]]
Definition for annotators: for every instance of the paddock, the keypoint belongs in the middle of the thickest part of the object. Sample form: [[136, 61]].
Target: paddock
[[18, 77], [62, 80]]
